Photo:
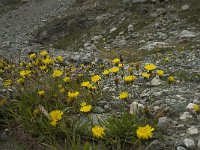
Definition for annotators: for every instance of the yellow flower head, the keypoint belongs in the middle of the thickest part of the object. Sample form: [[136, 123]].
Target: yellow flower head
[[60, 59], [145, 133], [121, 65], [47, 61], [150, 67], [95, 78], [106, 72], [129, 78], [160, 73], [130, 69], [196, 108], [114, 69], [98, 131], [145, 75], [85, 84], [171, 79], [32, 56], [25, 73], [43, 53], [7, 83], [67, 79], [41, 93], [85, 108], [44, 67], [116, 60], [57, 73], [55, 115], [20, 80], [123, 95], [73, 95]]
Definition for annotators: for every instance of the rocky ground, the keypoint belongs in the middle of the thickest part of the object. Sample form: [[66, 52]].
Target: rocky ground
[[160, 32]]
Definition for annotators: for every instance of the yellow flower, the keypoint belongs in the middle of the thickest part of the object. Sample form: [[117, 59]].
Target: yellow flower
[[145, 133], [95, 78], [85, 84], [25, 73], [57, 73], [116, 60], [47, 61], [160, 73], [196, 108], [98, 131], [66, 79], [43, 67], [123, 95], [73, 95], [85, 108], [121, 65], [32, 56], [62, 90], [7, 83], [43, 53], [171, 79], [114, 69], [20, 80], [41, 93], [60, 59], [106, 72], [1, 71], [150, 67], [129, 78], [130, 70], [145, 75], [55, 115]]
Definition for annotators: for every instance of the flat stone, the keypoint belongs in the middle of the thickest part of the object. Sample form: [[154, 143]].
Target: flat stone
[[192, 130], [163, 123], [180, 148], [185, 7], [155, 81], [198, 144], [186, 116], [190, 106], [189, 143], [187, 34]]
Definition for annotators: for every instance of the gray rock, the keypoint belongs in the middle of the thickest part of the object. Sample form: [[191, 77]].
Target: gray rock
[[192, 130], [190, 106], [198, 144], [155, 81], [185, 7], [4, 135], [113, 29], [187, 34], [98, 110], [186, 116], [189, 143], [163, 123], [180, 148]]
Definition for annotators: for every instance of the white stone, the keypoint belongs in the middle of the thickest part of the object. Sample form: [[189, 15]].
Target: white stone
[[113, 29], [180, 148], [156, 108], [134, 108], [186, 116], [192, 130], [198, 144], [185, 7], [190, 106], [189, 143], [155, 81], [187, 34]]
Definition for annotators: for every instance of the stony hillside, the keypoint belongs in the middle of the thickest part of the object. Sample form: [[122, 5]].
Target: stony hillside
[[163, 32]]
